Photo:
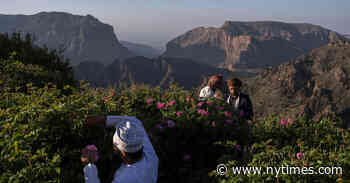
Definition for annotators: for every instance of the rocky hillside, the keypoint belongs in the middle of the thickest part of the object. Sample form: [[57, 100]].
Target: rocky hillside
[[142, 70], [141, 49], [249, 44], [83, 37], [316, 84]]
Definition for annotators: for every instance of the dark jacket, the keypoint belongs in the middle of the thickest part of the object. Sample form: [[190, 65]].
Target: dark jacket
[[244, 105]]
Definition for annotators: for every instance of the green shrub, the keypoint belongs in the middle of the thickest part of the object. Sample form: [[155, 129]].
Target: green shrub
[[297, 144], [42, 132]]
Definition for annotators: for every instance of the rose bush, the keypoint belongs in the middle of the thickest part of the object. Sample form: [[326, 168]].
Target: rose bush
[[294, 143], [42, 135], [42, 132]]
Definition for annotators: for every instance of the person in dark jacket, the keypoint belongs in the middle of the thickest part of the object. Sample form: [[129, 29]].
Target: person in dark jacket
[[240, 101], [241, 104]]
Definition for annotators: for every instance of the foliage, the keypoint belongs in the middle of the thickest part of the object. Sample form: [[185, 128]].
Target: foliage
[[294, 143], [15, 49], [42, 132]]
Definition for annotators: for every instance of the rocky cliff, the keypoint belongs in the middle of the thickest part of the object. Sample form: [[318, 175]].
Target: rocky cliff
[[82, 37], [316, 84], [249, 44]]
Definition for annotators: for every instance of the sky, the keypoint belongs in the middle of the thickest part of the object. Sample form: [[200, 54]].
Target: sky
[[155, 22]]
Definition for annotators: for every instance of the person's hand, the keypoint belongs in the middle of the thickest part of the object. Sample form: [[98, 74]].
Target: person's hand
[[84, 160], [93, 121]]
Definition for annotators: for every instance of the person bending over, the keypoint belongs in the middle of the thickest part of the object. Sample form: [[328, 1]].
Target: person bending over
[[130, 140], [215, 88]]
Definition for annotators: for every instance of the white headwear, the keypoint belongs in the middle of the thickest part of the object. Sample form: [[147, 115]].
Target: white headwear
[[128, 137]]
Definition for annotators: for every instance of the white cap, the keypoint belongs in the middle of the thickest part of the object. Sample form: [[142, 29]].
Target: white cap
[[128, 137]]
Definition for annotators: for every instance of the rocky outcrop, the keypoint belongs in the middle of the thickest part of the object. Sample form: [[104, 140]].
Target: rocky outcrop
[[249, 44], [316, 85], [155, 72], [141, 49], [82, 37]]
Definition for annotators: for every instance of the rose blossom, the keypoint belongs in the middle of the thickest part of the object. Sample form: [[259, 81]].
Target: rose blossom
[[179, 113], [160, 105], [150, 100], [283, 122]]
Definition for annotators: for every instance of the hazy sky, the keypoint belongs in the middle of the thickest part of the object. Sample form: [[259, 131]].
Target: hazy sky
[[155, 22]]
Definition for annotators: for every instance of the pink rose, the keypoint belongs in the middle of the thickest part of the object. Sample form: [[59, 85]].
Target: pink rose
[[200, 104], [179, 114], [205, 113], [150, 100], [160, 105], [227, 114], [283, 122], [171, 103], [200, 111], [300, 155], [238, 147]]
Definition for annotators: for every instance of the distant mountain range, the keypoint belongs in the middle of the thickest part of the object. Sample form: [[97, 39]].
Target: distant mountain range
[[308, 66], [155, 72], [237, 45], [141, 49], [82, 37], [347, 36]]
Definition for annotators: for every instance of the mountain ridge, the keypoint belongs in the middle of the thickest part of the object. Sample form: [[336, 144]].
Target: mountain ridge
[[82, 37], [249, 44]]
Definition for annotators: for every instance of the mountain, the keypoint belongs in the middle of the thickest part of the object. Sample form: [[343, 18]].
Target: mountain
[[249, 44], [142, 70], [83, 37], [347, 36], [142, 50], [316, 84]]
